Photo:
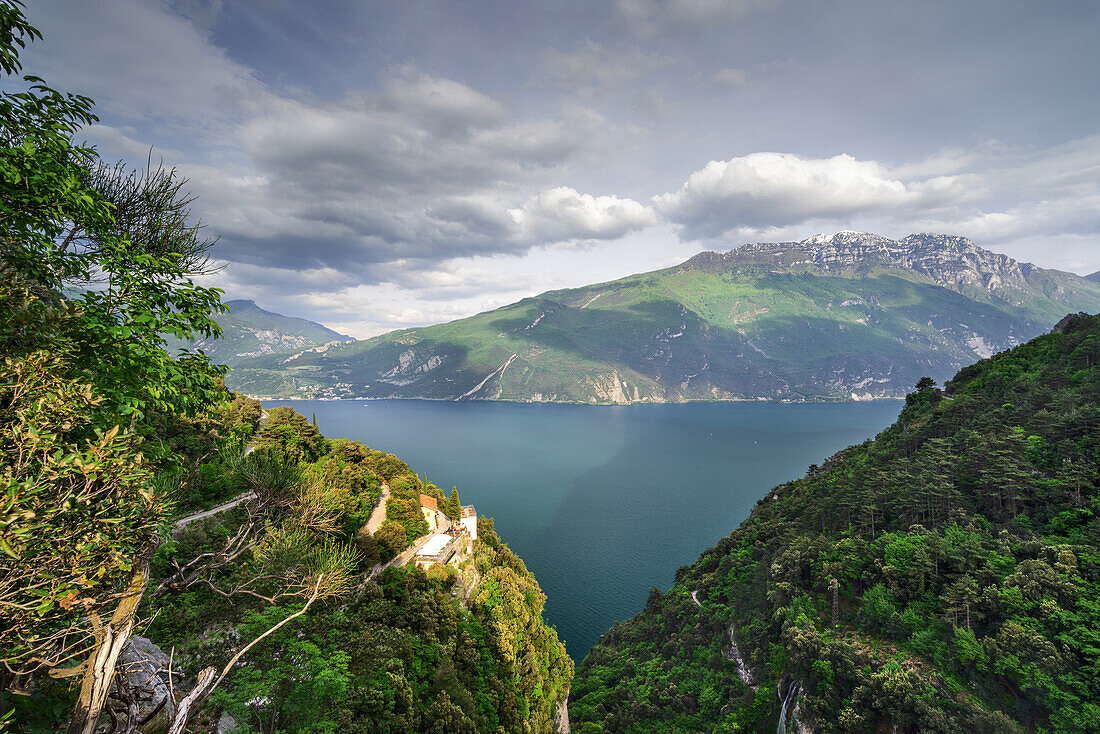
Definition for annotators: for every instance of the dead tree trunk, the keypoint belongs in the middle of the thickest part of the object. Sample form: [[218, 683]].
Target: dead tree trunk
[[834, 585], [110, 639]]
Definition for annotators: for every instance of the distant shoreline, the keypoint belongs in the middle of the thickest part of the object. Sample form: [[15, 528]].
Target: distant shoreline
[[755, 401]]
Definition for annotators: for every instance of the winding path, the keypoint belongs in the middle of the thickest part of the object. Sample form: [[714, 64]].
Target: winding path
[[378, 514], [229, 504], [184, 521], [400, 559], [732, 653]]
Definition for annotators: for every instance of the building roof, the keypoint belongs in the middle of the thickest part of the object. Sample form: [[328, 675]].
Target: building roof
[[429, 502], [435, 545], [468, 510]]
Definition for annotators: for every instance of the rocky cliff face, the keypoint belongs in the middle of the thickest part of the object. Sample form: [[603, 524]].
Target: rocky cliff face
[[950, 261]]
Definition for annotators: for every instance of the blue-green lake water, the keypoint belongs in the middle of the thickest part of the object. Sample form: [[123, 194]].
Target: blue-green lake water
[[604, 502]]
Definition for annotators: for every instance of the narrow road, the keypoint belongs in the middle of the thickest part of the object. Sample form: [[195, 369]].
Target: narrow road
[[184, 521], [378, 514], [695, 598], [215, 510], [259, 427], [401, 558]]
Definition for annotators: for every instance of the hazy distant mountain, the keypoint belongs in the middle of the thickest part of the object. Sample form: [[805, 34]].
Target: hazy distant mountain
[[1094, 277], [250, 331], [846, 316]]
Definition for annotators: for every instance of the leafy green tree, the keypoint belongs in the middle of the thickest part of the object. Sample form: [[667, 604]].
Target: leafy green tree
[[289, 682], [291, 434], [106, 259], [925, 383], [960, 599], [131, 274], [392, 537], [93, 494], [878, 606]]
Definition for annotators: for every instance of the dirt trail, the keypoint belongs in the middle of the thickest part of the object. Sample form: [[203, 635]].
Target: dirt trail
[[378, 514], [183, 521], [230, 504]]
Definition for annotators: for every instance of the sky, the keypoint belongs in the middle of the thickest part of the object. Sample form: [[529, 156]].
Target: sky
[[381, 164]]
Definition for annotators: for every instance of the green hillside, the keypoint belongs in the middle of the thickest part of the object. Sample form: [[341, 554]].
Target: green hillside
[[791, 321], [943, 577], [250, 331]]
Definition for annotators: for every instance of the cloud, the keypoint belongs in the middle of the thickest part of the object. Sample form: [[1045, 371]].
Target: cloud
[[141, 61], [563, 214], [777, 189], [426, 169], [417, 168], [671, 16], [121, 142], [591, 65], [729, 78]]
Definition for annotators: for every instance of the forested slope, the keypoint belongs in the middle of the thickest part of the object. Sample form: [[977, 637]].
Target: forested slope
[[942, 577], [389, 649]]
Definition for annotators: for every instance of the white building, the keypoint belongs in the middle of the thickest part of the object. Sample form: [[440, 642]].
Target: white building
[[439, 549], [469, 521]]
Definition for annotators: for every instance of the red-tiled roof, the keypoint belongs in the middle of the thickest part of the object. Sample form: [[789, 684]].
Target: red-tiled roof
[[429, 502]]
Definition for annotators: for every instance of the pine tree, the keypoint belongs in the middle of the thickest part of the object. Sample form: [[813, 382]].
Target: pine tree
[[453, 506], [960, 598]]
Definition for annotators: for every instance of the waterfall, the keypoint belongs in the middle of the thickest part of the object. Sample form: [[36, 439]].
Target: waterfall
[[792, 692]]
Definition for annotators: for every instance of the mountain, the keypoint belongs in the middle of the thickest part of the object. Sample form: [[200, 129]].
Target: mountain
[[846, 316], [250, 331], [943, 577], [1094, 277]]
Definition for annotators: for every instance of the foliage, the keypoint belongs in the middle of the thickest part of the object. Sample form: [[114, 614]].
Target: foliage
[[292, 435], [93, 492], [404, 652], [966, 545], [289, 684], [120, 240]]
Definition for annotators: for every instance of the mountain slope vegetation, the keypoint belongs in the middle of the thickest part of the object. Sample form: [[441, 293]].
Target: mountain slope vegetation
[[851, 316], [249, 331], [942, 577]]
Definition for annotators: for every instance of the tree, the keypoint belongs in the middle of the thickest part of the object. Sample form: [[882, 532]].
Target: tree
[[392, 537], [292, 435], [959, 599], [453, 506], [96, 266], [68, 223], [94, 492]]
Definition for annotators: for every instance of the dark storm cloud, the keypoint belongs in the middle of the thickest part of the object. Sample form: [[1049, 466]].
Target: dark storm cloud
[[428, 169], [432, 147]]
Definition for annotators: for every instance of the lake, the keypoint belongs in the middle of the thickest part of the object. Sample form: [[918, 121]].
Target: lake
[[604, 502]]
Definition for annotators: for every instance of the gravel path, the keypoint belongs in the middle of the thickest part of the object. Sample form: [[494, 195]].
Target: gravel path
[[183, 521], [214, 511], [378, 514]]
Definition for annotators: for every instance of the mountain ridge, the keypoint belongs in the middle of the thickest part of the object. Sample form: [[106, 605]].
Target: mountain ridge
[[251, 331], [846, 316]]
